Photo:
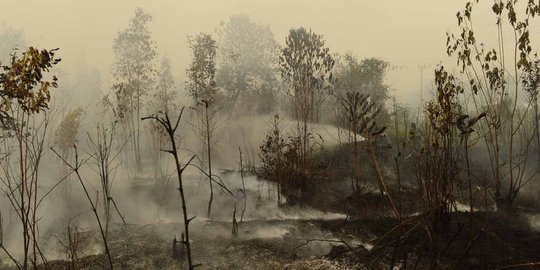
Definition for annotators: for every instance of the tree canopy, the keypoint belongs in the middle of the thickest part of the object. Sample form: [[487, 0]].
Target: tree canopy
[[248, 55], [22, 82], [366, 76], [306, 66], [201, 73], [134, 67]]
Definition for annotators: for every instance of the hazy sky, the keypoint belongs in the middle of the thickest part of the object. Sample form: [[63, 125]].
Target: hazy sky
[[405, 33]]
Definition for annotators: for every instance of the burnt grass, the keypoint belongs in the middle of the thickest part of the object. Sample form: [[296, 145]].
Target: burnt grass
[[150, 247], [495, 239], [500, 239], [503, 239]]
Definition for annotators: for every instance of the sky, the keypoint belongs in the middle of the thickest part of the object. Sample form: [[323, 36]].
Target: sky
[[408, 34]]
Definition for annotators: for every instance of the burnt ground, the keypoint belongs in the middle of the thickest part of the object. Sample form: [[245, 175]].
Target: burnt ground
[[363, 240], [260, 245], [342, 231], [497, 240]]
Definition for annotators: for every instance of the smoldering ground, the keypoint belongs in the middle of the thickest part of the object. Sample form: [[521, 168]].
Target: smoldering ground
[[144, 199]]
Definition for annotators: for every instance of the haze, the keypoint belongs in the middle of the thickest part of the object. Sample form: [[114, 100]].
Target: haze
[[269, 134], [408, 34]]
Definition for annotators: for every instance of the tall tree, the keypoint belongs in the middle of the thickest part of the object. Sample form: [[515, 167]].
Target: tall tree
[[306, 66], [201, 73], [201, 84], [248, 56], [134, 73]]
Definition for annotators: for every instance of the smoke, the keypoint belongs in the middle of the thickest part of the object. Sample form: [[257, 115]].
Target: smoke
[[144, 198], [248, 133]]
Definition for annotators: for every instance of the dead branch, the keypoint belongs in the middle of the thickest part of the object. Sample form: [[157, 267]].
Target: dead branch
[[171, 132]]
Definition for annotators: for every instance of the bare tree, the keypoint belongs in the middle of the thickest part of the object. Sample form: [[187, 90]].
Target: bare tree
[[171, 129], [71, 245], [205, 130], [104, 152], [75, 168]]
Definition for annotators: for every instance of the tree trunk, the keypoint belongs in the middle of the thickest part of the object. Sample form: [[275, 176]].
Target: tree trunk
[[209, 152]]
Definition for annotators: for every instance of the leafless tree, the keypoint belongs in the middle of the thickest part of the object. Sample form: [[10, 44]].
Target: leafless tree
[[103, 152], [171, 129], [71, 245], [75, 168], [205, 129], [20, 177]]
